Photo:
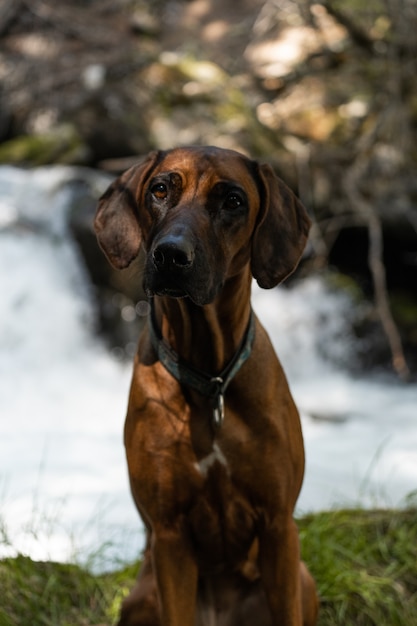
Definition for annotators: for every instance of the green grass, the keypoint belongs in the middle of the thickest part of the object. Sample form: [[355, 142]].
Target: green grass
[[364, 562], [365, 565], [55, 594]]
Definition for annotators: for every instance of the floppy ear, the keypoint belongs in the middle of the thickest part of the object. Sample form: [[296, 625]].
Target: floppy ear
[[117, 220], [281, 233]]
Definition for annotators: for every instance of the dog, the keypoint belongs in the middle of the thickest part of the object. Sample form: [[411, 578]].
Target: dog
[[213, 439]]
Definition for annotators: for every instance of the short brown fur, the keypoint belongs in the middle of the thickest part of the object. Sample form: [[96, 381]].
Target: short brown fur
[[217, 502]]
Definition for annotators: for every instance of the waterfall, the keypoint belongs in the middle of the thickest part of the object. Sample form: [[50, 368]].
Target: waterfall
[[63, 483]]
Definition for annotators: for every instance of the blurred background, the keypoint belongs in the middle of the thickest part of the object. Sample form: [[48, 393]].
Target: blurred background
[[323, 91]]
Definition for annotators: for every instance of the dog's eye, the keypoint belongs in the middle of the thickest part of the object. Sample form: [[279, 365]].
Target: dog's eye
[[233, 201], [160, 191]]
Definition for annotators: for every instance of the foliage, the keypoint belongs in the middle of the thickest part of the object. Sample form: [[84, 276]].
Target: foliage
[[61, 145]]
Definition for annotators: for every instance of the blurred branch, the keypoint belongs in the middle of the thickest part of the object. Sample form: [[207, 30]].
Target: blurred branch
[[316, 63], [376, 264], [412, 218], [356, 32]]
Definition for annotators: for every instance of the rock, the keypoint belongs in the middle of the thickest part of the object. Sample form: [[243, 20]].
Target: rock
[[112, 125], [116, 292]]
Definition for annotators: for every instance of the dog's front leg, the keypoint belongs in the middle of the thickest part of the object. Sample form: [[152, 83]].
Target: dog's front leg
[[176, 576], [279, 561]]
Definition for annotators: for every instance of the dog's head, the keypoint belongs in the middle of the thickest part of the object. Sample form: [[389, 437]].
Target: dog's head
[[202, 214]]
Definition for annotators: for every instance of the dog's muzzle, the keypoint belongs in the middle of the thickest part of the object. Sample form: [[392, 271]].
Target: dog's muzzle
[[172, 268], [173, 253]]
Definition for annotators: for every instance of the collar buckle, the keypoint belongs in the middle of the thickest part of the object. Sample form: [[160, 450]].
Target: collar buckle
[[218, 408]]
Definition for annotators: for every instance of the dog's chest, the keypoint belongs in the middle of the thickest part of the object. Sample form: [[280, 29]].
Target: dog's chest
[[221, 519], [207, 463]]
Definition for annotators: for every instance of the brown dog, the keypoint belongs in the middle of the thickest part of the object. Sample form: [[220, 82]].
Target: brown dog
[[213, 439]]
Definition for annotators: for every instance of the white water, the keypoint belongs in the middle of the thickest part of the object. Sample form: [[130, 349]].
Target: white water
[[63, 484]]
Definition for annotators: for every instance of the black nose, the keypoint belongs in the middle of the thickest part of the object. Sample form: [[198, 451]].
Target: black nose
[[173, 252]]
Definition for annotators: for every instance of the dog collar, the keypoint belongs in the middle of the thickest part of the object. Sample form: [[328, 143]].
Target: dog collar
[[213, 387]]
